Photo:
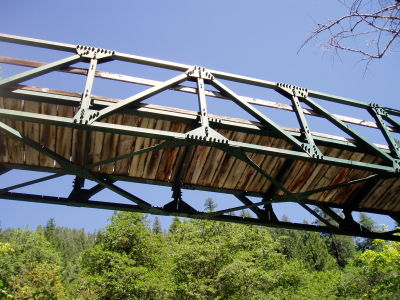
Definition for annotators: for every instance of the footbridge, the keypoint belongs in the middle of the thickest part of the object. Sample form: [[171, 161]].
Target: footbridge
[[106, 139]]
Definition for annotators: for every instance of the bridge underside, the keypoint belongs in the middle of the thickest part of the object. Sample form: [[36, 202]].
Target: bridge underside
[[106, 140]]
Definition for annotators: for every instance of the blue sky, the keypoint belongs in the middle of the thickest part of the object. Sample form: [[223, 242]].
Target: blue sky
[[253, 38]]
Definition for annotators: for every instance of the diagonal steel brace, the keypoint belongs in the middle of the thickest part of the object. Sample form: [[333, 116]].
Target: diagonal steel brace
[[75, 169]]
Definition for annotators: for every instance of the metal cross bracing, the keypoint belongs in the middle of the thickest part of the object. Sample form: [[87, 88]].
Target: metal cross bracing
[[106, 140]]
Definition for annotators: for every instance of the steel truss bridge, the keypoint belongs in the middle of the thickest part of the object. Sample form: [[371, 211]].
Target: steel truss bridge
[[106, 140]]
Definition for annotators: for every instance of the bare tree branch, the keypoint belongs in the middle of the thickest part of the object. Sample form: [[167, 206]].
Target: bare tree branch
[[371, 28]]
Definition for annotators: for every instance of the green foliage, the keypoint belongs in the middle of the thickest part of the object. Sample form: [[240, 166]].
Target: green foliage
[[32, 268], [128, 262], [196, 259]]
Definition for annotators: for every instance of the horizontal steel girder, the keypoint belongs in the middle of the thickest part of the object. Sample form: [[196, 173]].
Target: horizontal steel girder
[[198, 215], [168, 135]]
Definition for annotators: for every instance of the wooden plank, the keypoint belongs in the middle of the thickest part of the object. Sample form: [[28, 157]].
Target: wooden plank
[[125, 146], [16, 150], [239, 167], [136, 168], [229, 178], [96, 148], [340, 196], [64, 134], [212, 161], [379, 197], [256, 180], [392, 202], [146, 143], [3, 140], [79, 139], [165, 170], [248, 170], [48, 135], [154, 157], [226, 165], [110, 145], [32, 131]]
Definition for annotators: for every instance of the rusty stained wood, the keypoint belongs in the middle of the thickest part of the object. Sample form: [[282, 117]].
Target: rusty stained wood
[[125, 146], [48, 135], [110, 145], [15, 149], [206, 166], [64, 135], [169, 157], [4, 157], [384, 195]]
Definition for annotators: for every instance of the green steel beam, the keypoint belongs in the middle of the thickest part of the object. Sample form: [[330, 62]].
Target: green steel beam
[[267, 122], [96, 115], [251, 221], [182, 88], [39, 71], [87, 94], [248, 203], [160, 146], [378, 113], [372, 147], [37, 43], [355, 208], [73, 168], [167, 135], [183, 67], [24, 184], [147, 111]]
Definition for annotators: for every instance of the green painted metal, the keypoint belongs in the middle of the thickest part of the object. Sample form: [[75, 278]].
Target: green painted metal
[[257, 114], [96, 115], [167, 135], [370, 146], [377, 114], [24, 184], [304, 143], [39, 71], [80, 116]]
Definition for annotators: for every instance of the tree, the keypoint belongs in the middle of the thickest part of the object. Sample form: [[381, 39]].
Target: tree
[[156, 226], [128, 262], [370, 28], [374, 273], [210, 205], [32, 269]]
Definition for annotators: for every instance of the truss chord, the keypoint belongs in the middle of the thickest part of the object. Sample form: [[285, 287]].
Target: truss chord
[[136, 208], [166, 135], [187, 89]]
